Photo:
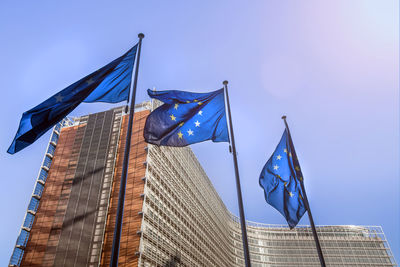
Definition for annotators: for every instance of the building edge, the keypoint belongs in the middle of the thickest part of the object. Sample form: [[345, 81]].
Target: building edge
[[23, 236]]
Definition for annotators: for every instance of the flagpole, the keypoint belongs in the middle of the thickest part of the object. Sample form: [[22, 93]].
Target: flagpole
[[121, 196], [314, 231], [239, 191]]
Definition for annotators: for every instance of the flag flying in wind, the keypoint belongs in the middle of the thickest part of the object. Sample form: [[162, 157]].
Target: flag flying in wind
[[109, 84], [186, 118], [280, 179]]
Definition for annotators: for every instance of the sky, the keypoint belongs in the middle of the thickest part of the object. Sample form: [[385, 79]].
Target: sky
[[332, 67]]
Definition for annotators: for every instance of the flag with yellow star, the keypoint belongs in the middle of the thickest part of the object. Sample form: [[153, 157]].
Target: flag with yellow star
[[280, 179], [109, 84], [186, 118]]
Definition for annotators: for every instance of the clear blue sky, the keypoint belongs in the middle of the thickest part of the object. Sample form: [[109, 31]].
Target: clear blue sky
[[331, 66]]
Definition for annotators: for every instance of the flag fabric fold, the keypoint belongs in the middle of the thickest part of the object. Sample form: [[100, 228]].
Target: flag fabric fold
[[110, 84], [280, 179], [186, 118]]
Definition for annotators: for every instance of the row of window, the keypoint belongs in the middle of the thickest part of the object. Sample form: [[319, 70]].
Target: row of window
[[100, 223], [171, 205]]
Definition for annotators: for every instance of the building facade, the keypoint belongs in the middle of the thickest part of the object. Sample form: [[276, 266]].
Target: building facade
[[172, 214]]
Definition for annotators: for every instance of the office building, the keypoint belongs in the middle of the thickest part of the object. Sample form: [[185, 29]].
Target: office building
[[172, 215]]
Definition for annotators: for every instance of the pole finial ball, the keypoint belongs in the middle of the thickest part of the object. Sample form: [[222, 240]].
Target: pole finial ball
[[141, 35], [225, 82], [284, 117]]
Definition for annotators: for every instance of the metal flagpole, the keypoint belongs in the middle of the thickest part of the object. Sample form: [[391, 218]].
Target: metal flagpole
[[121, 196], [239, 191], [314, 231]]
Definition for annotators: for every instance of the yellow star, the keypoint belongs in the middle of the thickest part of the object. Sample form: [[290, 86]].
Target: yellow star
[[172, 117], [200, 103], [297, 168], [90, 81], [285, 183], [195, 100], [188, 101], [285, 150], [300, 196], [290, 154], [301, 178], [181, 124], [59, 98], [180, 134], [291, 194], [176, 106]]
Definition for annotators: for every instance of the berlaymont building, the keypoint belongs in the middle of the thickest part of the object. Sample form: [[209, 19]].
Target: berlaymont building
[[172, 216]]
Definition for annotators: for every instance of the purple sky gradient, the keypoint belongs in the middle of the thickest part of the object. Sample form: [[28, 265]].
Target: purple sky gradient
[[331, 66]]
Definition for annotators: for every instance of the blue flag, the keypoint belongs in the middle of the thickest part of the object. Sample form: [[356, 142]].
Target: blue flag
[[109, 84], [280, 179], [186, 118]]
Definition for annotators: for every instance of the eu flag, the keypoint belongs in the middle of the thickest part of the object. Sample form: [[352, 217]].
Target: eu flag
[[109, 84], [280, 179], [186, 118]]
